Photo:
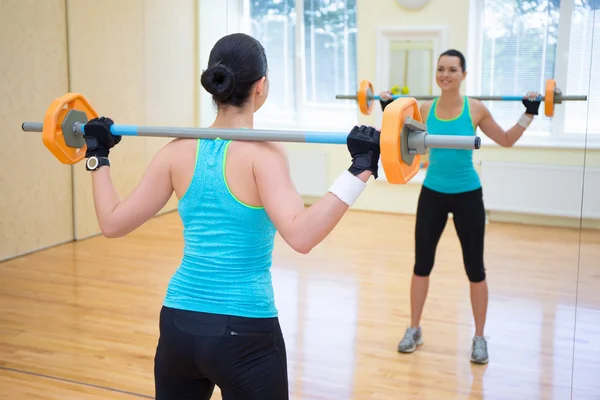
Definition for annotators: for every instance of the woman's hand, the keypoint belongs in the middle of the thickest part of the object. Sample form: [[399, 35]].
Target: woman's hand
[[98, 138], [385, 95], [363, 145], [531, 101], [385, 99]]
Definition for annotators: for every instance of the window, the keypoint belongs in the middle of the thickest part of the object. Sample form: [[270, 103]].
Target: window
[[311, 59], [519, 47], [524, 43]]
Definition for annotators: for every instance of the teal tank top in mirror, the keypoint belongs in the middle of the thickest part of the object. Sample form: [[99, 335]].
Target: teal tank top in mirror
[[451, 170]]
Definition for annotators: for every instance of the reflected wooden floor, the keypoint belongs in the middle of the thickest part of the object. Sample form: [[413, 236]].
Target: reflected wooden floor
[[79, 321]]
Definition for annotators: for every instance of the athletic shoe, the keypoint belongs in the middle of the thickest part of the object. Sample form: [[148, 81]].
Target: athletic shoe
[[479, 352], [413, 337]]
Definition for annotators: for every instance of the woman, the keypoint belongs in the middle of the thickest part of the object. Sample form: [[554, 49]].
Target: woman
[[219, 321], [452, 186]]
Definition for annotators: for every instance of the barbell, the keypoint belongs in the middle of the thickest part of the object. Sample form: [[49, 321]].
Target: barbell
[[553, 95], [403, 138]]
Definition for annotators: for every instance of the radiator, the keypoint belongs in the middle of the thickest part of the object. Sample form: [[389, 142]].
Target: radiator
[[543, 189], [309, 171]]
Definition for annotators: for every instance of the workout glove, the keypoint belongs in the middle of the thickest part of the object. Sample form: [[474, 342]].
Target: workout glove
[[98, 138], [363, 144], [532, 107]]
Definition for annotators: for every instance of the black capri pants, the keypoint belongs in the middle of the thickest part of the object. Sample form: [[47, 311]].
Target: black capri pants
[[245, 357], [468, 211]]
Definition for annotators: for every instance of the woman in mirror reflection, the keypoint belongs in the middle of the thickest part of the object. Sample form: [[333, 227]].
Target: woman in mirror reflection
[[452, 186]]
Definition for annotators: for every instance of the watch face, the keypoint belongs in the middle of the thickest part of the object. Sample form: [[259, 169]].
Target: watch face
[[92, 163]]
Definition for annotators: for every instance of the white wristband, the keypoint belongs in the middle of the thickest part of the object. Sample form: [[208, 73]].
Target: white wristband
[[347, 187], [525, 121]]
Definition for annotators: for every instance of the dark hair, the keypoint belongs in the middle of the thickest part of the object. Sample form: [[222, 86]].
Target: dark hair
[[455, 53], [235, 63]]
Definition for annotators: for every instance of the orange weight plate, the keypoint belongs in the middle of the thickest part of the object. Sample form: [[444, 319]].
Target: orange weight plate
[[549, 98], [52, 134], [394, 115], [365, 97]]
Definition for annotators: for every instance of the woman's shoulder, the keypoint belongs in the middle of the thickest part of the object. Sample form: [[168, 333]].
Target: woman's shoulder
[[265, 157], [175, 146], [478, 109], [476, 105], [257, 150], [425, 107], [474, 102], [261, 148], [426, 104], [268, 154]]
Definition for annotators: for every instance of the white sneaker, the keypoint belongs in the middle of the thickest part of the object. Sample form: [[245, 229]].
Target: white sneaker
[[479, 352], [413, 337]]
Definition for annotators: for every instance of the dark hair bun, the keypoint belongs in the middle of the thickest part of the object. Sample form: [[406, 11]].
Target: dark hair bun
[[218, 80]]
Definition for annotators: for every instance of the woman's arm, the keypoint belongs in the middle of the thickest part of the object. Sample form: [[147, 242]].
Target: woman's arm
[[490, 128], [494, 131], [115, 217], [119, 217], [304, 228]]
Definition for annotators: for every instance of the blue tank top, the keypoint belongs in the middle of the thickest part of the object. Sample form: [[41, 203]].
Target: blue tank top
[[451, 170], [225, 268]]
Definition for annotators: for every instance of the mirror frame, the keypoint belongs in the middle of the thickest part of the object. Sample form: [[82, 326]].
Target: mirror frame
[[437, 34]]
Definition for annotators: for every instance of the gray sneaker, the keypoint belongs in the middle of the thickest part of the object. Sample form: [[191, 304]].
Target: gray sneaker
[[479, 353], [413, 337]]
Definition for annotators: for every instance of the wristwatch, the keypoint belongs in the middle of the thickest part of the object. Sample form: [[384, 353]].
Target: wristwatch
[[93, 163]]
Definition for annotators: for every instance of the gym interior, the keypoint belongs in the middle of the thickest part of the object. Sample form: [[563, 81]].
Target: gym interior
[[80, 311]]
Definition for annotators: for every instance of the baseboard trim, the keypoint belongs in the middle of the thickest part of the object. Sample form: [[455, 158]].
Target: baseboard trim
[[544, 220], [35, 250]]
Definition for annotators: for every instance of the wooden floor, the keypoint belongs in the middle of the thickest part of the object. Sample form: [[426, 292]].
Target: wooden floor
[[79, 321]]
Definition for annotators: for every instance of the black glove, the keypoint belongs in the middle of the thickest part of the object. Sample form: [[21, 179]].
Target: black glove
[[98, 138], [385, 103], [532, 107], [363, 144]]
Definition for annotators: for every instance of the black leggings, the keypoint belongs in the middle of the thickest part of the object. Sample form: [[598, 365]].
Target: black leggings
[[245, 357], [469, 220]]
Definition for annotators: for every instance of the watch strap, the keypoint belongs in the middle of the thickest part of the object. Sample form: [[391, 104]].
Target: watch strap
[[100, 162]]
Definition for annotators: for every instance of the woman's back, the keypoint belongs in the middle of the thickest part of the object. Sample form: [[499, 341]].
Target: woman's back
[[228, 236]]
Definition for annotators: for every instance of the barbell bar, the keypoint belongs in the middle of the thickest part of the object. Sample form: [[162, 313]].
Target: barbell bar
[[404, 138], [553, 95]]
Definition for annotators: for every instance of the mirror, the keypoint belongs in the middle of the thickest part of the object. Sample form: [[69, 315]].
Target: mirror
[[583, 118], [408, 59]]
